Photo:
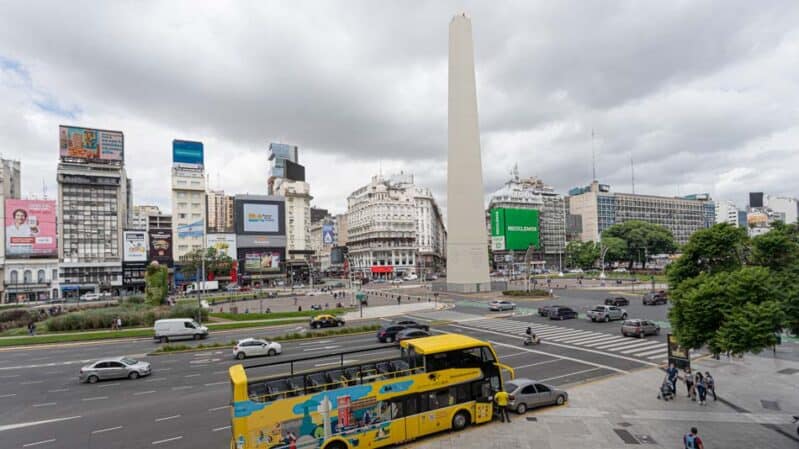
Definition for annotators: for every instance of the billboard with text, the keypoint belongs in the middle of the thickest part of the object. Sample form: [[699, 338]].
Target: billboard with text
[[86, 143], [135, 246], [30, 228], [327, 235], [223, 244], [187, 152], [161, 246], [514, 229], [262, 261]]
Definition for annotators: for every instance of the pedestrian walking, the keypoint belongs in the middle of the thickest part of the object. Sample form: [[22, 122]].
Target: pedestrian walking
[[701, 391], [502, 398], [672, 374], [691, 440], [689, 383], [399, 299], [710, 384]]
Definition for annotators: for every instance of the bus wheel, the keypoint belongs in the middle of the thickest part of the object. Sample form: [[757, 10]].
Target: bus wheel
[[336, 445], [460, 421]]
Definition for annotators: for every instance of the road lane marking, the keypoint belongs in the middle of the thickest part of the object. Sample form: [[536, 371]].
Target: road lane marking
[[659, 356], [162, 369], [9, 376], [7, 395], [167, 418], [60, 390], [640, 348], [570, 374], [538, 363], [167, 440], [108, 385], [36, 423], [654, 351], [44, 404], [31, 382], [185, 387], [220, 372], [143, 392], [323, 348], [220, 428], [155, 380], [95, 398], [336, 363], [106, 429], [39, 442], [191, 375], [218, 408], [224, 382], [319, 342]]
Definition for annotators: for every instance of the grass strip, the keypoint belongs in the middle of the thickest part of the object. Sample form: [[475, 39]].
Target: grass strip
[[274, 315]]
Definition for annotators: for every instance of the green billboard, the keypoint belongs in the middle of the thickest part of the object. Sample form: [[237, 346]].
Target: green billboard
[[514, 229]]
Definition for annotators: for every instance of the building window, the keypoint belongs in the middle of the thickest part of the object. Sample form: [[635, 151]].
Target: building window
[[14, 276], [28, 277], [40, 277], [55, 274]]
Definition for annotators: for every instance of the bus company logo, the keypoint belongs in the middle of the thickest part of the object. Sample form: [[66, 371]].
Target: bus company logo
[[522, 228]]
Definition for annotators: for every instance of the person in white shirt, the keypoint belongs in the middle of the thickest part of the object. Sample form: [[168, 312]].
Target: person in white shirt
[[20, 228]]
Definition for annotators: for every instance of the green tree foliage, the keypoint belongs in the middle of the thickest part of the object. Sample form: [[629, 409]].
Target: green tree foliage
[[642, 239], [156, 284], [733, 293], [617, 249], [215, 262], [582, 254]]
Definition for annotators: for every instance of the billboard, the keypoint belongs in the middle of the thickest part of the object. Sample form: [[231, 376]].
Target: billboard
[[262, 261], [187, 152], [195, 229], [223, 243], [87, 143], [135, 246], [161, 246], [261, 218], [514, 229], [30, 228], [327, 235]]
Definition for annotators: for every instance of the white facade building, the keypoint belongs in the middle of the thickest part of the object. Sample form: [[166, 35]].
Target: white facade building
[[140, 216], [726, 212], [298, 216], [188, 210], [9, 188], [784, 205]]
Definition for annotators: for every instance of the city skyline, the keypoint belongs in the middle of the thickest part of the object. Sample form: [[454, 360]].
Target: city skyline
[[696, 115]]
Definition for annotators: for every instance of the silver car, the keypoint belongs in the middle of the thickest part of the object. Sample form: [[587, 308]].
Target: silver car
[[529, 394], [114, 368], [253, 347], [499, 305]]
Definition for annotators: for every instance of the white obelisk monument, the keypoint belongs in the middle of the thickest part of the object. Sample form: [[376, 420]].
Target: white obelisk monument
[[467, 240]]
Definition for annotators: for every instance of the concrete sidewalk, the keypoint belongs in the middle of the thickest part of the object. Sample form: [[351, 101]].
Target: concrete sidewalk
[[757, 397], [373, 312]]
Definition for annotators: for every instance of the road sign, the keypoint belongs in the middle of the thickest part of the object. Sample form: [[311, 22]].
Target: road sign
[[678, 355]]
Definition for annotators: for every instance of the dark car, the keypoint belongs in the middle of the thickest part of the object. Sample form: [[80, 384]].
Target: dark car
[[389, 332], [562, 313], [655, 298], [410, 333], [544, 311], [326, 321], [617, 301]]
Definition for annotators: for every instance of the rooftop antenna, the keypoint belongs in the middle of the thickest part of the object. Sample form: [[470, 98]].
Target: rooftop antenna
[[593, 155], [632, 171], [44, 189]]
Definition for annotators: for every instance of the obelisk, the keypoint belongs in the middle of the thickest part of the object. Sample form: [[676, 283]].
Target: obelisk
[[467, 239]]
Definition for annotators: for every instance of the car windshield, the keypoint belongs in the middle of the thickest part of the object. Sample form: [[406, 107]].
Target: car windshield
[[599, 309], [510, 387], [128, 361]]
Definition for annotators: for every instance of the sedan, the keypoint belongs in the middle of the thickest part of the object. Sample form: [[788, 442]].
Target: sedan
[[410, 333], [639, 328], [544, 311], [325, 320], [527, 394], [500, 305], [114, 368], [562, 313], [617, 301], [253, 347]]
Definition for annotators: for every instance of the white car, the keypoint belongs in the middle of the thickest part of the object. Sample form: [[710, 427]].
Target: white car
[[620, 270], [500, 305], [411, 277], [254, 347], [90, 297]]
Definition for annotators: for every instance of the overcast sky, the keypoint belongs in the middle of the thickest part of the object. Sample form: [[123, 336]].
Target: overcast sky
[[703, 95]]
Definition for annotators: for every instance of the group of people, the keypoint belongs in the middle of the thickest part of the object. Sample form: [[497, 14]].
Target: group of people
[[697, 385], [116, 324]]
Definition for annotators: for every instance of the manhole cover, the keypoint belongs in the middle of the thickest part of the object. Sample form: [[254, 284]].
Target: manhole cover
[[626, 436], [532, 418], [645, 439], [788, 371], [625, 424], [770, 405]]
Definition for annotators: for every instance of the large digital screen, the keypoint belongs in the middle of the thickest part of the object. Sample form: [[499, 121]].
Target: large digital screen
[[30, 228], [514, 229], [187, 152], [161, 246], [135, 246], [267, 261], [225, 244], [259, 217], [87, 143]]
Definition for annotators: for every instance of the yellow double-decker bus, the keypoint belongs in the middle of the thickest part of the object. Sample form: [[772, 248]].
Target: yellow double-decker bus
[[433, 384]]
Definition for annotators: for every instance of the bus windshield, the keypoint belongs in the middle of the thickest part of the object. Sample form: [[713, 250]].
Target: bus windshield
[[432, 383]]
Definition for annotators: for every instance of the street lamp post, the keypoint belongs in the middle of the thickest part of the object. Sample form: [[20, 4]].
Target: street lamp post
[[602, 251], [527, 268]]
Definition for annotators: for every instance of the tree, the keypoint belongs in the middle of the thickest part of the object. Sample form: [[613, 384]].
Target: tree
[[722, 247], [616, 249], [215, 262], [582, 254], [156, 284], [642, 238]]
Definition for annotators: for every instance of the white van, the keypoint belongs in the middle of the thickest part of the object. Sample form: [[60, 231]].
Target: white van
[[176, 328]]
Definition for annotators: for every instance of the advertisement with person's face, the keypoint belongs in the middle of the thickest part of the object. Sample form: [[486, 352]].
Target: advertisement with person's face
[[30, 228], [86, 143], [262, 261]]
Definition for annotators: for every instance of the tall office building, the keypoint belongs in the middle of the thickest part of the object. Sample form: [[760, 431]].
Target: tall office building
[[220, 212], [298, 198], [726, 212], [786, 205], [140, 216], [188, 198], [599, 209], [92, 209]]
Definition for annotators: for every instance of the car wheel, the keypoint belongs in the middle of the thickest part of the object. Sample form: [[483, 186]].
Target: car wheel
[[195, 337], [315, 325], [624, 316], [166, 339], [392, 338], [521, 408], [133, 376], [460, 421], [271, 352], [607, 319], [641, 334], [93, 379], [560, 400], [241, 356], [657, 331], [161, 339]]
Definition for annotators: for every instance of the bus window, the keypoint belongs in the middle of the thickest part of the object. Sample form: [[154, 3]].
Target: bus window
[[488, 356], [411, 405]]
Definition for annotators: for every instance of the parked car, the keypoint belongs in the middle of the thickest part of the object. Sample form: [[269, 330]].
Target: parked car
[[176, 328], [562, 313], [617, 301], [90, 297], [499, 305], [620, 270], [389, 332], [114, 368], [253, 347], [411, 277], [544, 311], [410, 333], [606, 313], [654, 298], [325, 320], [232, 288], [575, 270], [396, 281], [639, 328], [527, 394]]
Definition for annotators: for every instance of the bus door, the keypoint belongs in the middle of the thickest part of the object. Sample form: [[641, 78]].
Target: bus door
[[411, 417], [434, 411]]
